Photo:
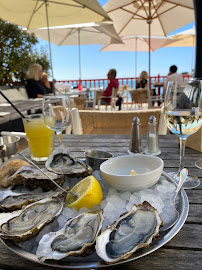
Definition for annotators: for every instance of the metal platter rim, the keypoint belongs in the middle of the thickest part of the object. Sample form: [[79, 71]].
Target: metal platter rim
[[165, 237]]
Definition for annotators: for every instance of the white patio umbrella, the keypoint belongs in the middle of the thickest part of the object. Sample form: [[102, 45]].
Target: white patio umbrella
[[185, 39], [82, 34], [139, 44], [45, 13], [149, 17]]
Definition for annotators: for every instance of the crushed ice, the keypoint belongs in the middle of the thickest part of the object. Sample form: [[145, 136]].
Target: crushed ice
[[114, 203]]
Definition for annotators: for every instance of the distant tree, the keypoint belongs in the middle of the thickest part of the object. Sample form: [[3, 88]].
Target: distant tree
[[17, 53]]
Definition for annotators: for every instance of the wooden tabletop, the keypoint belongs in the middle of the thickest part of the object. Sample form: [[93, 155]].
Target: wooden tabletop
[[184, 251]]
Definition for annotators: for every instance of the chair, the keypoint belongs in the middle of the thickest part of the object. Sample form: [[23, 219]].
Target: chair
[[122, 90], [113, 99], [80, 101], [91, 101], [139, 96]]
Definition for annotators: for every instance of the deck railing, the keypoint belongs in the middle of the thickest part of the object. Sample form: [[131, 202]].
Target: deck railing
[[122, 81]]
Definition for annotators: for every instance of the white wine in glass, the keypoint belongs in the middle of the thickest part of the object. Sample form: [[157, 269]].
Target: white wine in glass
[[56, 112], [182, 114]]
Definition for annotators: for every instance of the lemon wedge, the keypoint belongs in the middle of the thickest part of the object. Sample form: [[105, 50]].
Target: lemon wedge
[[89, 193], [133, 172]]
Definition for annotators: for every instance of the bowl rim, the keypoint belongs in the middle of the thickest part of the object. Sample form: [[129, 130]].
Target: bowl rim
[[17, 138], [137, 175], [104, 158]]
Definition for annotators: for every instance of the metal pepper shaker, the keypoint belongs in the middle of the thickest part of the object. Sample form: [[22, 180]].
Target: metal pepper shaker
[[152, 147], [135, 138]]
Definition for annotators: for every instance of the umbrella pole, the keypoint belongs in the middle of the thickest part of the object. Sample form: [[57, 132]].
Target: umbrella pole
[[149, 21], [79, 43], [49, 43], [136, 57], [192, 60]]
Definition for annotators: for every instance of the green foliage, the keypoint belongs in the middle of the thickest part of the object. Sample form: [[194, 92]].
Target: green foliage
[[17, 53]]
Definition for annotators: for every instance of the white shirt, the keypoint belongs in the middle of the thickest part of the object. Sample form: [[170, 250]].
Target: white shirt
[[175, 77]]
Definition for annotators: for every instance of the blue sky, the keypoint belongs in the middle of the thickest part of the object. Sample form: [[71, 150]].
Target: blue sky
[[95, 64]]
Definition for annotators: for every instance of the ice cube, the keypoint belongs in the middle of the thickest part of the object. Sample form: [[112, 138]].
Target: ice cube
[[126, 195]]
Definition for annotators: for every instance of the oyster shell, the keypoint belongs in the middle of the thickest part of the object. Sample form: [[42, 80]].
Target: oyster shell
[[76, 237], [133, 230], [8, 169], [24, 224], [10, 201], [61, 161], [32, 178]]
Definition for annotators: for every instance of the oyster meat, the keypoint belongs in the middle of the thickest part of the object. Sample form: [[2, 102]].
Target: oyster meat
[[24, 224], [132, 231], [8, 169], [32, 178], [61, 161], [76, 237], [10, 200]]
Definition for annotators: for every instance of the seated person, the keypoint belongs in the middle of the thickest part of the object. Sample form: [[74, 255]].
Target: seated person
[[173, 76], [49, 86], [33, 85], [142, 82], [108, 92]]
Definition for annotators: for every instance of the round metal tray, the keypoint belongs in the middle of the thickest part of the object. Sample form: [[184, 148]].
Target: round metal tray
[[93, 261]]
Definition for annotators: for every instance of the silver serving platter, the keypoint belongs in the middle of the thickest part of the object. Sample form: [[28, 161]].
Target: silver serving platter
[[93, 261]]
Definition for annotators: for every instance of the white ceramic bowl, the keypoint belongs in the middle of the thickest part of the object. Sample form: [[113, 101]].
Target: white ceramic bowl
[[116, 171]]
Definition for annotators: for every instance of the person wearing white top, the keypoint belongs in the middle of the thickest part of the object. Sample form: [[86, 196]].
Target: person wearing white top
[[174, 77]]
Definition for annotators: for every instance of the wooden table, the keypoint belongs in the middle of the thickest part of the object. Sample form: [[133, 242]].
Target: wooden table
[[184, 251]]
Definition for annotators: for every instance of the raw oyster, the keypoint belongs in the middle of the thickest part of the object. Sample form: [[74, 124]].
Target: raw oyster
[[8, 169], [10, 201], [133, 230], [61, 161], [32, 178], [24, 224], [75, 238]]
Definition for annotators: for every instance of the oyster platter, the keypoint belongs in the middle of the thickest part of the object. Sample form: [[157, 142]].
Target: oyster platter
[[55, 227]]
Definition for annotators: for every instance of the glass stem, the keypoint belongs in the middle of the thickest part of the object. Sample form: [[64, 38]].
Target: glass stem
[[182, 152], [59, 134]]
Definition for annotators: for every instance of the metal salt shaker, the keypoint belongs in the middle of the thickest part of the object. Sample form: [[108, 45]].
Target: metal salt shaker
[[135, 139], [152, 147]]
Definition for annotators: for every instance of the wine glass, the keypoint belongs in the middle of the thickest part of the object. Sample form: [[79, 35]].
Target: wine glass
[[198, 163], [182, 114], [56, 112]]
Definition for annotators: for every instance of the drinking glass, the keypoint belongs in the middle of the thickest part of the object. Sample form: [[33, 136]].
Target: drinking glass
[[40, 138], [182, 114], [56, 112]]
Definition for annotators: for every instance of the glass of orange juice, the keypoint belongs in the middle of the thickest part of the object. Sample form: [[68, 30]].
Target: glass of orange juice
[[40, 137]]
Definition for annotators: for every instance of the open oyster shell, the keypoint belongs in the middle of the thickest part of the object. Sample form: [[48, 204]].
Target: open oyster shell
[[133, 230], [10, 200], [8, 169], [24, 224], [75, 238], [32, 178], [61, 161]]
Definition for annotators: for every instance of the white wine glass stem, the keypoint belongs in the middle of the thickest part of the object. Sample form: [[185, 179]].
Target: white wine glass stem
[[182, 153], [59, 135]]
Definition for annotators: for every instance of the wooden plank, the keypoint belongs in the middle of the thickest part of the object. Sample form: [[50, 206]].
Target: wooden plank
[[164, 258]]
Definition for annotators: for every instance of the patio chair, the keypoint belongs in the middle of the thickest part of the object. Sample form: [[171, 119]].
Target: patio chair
[[123, 92], [139, 96], [113, 99], [80, 101]]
